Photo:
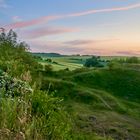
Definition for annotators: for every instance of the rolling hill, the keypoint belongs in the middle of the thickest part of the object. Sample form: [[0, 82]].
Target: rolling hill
[[101, 101]]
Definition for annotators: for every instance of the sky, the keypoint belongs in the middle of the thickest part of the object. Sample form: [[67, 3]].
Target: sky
[[97, 27]]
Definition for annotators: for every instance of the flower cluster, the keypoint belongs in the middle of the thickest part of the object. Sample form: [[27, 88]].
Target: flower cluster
[[12, 87]]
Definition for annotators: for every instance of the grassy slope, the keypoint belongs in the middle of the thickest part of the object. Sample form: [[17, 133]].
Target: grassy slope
[[101, 101]]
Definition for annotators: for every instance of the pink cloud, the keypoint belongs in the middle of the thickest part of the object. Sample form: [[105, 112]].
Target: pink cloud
[[78, 42], [88, 42], [128, 53], [105, 47], [89, 46], [105, 10], [45, 19], [24, 24], [47, 31]]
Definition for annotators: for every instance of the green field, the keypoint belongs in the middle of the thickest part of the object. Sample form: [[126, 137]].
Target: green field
[[72, 62], [69, 62], [102, 101]]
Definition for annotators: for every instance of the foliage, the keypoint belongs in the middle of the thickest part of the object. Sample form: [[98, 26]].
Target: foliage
[[93, 62], [120, 82], [30, 115], [100, 100], [48, 68], [27, 113], [14, 56], [49, 60], [39, 58], [113, 65], [39, 103], [132, 60], [11, 87]]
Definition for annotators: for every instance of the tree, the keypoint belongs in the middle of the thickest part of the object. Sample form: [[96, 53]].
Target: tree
[[93, 62], [132, 60], [15, 57], [48, 68]]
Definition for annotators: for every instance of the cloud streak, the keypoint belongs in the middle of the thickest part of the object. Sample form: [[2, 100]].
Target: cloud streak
[[46, 19], [47, 31], [88, 42], [128, 53], [105, 10], [24, 24], [98, 48]]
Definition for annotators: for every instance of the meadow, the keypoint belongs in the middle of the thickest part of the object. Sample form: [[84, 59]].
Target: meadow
[[59, 98], [60, 63], [70, 62]]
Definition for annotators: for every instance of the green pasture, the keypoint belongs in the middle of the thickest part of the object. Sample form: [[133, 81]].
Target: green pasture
[[69, 62], [72, 62]]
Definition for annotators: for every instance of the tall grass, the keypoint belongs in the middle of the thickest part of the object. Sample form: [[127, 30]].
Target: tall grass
[[31, 115]]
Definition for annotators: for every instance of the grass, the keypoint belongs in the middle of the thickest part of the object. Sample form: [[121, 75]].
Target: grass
[[113, 81], [74, 62], [69, 62], [76, 104], [97, 105], [101, 101]]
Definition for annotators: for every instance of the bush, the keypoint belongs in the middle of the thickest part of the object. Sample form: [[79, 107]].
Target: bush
[[48, 68], [11, 87], [93, 62], [49, 60]]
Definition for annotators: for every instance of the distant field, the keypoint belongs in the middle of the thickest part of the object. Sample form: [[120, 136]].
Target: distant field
[[70, 62]]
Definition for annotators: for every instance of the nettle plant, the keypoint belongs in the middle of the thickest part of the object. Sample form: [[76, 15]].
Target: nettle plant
[[12, 87]]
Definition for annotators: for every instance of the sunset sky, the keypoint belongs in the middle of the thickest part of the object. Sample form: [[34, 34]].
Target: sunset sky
[[100, 27]]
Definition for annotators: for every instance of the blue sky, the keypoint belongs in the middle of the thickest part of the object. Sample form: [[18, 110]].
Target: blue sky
[[102, 27]]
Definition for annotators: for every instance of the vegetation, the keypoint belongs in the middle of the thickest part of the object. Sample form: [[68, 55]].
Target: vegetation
[[93, 62], [31, 115], [26, 112], [72, 103], [134, 60]]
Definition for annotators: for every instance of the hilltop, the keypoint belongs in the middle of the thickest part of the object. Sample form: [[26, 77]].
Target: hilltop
[[48, 54]]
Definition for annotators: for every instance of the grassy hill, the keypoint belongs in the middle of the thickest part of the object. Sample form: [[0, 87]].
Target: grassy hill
[[48, 54], [78, 103], [101, 101]]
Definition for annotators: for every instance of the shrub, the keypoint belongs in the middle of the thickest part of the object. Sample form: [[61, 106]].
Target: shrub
[[48, 68], [11, 87], [93, 62]]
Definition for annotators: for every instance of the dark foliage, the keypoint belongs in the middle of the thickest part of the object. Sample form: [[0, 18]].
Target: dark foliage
[[93, 62]]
